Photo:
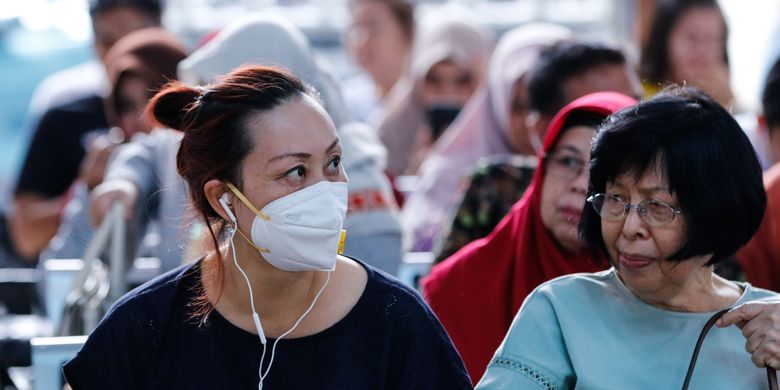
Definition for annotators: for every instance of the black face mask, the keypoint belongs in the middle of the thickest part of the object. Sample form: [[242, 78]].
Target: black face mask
[[440, 116]]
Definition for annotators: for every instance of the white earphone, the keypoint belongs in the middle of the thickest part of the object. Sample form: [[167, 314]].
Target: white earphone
[[223, 201]]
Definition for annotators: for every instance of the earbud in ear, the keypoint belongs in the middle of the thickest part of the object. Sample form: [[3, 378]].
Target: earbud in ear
[[223, 201]]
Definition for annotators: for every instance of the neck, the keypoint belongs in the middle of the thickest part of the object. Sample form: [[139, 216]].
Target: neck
[[278, 294], [702, 292]]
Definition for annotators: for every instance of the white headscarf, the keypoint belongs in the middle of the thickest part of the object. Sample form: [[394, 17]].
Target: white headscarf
[[481, 130], [444, 33]]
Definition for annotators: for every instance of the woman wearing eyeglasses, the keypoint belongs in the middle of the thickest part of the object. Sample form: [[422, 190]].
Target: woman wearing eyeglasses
[[674, 188], [477, 291]]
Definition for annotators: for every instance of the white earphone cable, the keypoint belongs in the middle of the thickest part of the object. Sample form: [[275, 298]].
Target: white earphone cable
[[256, 317]]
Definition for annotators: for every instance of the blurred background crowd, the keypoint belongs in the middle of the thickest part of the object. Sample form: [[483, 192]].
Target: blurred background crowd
[[442, 107]]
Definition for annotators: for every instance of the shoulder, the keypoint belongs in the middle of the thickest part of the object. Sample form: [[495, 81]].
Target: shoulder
[[458, 280], [157, 136], [422, 353], [574, 288], [387, 302], [86, 111], [453, 272], [119, 351], [482, 261], [383, 287], [580, 281], [89, 103], [535, 351], [399, 304], [150, 146], [142, 312], [752, 293], [69, 84], [558, 299], [154, 298]]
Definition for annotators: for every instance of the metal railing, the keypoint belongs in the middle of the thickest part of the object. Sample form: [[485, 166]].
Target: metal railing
[[96, 286]]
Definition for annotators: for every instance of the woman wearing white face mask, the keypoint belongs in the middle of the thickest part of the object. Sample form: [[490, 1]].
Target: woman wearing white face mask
[[262, 160]]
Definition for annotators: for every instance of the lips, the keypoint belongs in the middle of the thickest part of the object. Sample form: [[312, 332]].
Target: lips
[[571, 214], [634, 261]]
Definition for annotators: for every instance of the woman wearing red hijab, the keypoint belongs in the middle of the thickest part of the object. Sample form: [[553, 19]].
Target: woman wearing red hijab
[[477, 291]]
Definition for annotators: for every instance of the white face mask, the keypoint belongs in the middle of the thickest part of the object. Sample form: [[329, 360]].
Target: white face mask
[[301, 231]]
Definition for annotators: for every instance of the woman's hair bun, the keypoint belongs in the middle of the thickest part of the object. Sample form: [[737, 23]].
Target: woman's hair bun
[[172, 104]]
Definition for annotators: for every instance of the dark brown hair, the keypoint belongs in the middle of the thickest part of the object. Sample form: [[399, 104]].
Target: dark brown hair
[[214, 120], [150, 54]]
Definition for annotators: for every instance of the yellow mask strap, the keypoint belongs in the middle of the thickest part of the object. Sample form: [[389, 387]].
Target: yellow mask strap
[[262, 250], [247, 203]]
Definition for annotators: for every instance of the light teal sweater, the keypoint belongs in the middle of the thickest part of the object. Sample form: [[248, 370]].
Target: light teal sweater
[[588, 331]]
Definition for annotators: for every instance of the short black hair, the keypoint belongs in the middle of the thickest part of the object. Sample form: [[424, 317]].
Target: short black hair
[[560, 62], [770, 98], [152, 7], [654, 57], [708, 160]]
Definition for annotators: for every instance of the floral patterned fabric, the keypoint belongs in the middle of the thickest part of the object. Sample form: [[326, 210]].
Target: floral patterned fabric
[[495, 186]]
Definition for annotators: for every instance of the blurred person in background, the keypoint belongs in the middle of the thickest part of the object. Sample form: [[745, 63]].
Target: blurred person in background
[[537, 241], [447, 65], [111, 20], [137, 65], [571, 69], [74, 108], [493, 122], [759, 260], [379, 40], [564, 72], [687, 44]]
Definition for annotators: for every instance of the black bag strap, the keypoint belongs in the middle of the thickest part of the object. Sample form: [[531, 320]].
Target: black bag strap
[[771, 375]]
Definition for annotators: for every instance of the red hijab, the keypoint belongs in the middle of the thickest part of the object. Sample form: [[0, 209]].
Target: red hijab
[[477, 291]]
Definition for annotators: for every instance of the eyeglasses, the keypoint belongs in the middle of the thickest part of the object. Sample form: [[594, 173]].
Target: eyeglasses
[[564, 167], [653, 212]]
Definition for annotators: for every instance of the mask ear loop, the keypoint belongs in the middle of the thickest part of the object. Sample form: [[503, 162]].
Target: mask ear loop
[[256, 317]]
